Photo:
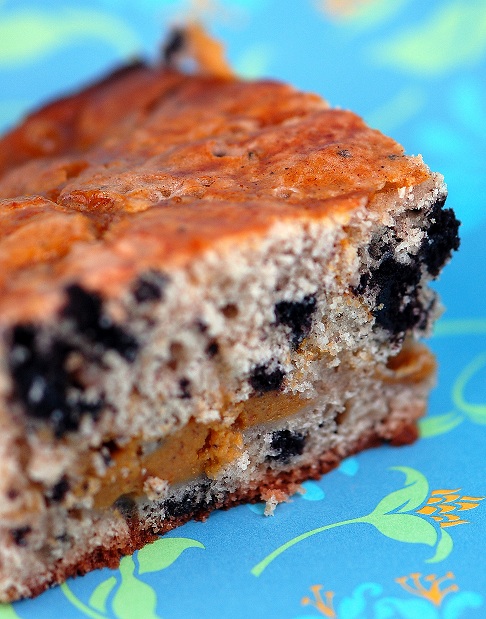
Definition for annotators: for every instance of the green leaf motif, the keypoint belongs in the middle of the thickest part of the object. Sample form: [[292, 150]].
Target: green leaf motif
[[439, 424], [7, 612], [163, 552], [254, 61], [406, 528], [77, 603], [459, 28], [458, 326], [399, 526], [26, 35], [479, 418], [476, 412], [444, 547], [411, 496], [133, 598], [100, 594]]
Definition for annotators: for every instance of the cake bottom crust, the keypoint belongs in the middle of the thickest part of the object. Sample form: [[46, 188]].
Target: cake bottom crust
[[133, 535]]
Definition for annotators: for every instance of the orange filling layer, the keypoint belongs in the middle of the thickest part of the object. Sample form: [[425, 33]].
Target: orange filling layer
[[199, 448], [413, 364], [194, 450]]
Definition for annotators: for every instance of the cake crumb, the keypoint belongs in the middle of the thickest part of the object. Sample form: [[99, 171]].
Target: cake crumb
[[270, 506], [155, 488], [272, 498]]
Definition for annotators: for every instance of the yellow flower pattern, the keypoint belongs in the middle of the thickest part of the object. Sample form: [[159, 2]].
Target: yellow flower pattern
[[440, 597], [442, 506], [430, 588]]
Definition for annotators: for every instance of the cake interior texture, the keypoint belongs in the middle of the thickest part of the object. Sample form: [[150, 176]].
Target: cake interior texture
[[210, 291]]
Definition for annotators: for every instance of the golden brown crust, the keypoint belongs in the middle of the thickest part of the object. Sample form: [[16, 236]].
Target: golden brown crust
[[156, 165], [75, 123]]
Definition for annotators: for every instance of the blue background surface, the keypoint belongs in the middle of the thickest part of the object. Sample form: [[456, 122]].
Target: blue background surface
[[417, 71]]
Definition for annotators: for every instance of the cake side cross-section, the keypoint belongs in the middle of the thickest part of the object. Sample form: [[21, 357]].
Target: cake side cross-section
[[210, 291]]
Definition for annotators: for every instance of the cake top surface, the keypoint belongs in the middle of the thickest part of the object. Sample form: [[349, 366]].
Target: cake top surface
[[151, 166]]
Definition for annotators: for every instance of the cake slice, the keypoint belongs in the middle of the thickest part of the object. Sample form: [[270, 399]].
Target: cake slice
[[210, 291]]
